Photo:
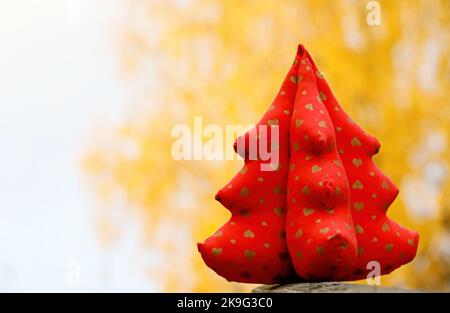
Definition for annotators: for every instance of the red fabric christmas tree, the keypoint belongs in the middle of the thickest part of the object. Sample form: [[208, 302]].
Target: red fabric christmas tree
[[335, 196]]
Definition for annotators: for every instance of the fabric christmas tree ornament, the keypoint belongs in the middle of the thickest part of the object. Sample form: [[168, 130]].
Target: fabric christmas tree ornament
[[251, 246], [336, 226]]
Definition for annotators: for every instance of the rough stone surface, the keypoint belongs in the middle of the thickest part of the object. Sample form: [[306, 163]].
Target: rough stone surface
[[326, 287]]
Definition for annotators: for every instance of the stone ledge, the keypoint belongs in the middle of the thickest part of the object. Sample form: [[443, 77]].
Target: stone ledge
[[326, 287]]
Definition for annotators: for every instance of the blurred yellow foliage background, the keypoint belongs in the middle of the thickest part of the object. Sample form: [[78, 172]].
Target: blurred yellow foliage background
[[224, 61]]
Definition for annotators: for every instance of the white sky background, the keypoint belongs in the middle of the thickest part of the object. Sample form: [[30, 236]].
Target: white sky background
[[58, 78]]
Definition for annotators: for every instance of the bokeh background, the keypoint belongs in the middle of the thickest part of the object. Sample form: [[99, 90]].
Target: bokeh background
[[90, 197]]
